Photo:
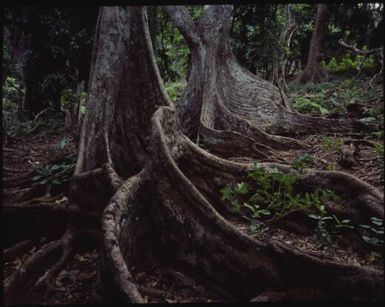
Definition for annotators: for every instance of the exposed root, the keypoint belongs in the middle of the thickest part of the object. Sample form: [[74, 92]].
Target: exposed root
[[112, 219], [40, 208], [16, 250], [19, 181], [229, 144], [168, 211], [20, 276], [113, 177], [48, 278], [40, 200]]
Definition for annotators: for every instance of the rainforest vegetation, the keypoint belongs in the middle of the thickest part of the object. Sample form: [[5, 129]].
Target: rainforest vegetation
[[197, 153]]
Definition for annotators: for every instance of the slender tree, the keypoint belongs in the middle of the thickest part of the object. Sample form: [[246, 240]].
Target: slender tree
[[313, 71]]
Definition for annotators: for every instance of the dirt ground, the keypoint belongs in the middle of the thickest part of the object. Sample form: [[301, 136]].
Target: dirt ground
[[79, 283]]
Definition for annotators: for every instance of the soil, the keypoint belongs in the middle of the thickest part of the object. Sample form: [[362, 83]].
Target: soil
[[79, 283]]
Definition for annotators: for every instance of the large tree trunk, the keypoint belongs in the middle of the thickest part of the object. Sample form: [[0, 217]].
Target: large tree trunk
[[163, 207], [158, 193], [231, 109], [313, 71]]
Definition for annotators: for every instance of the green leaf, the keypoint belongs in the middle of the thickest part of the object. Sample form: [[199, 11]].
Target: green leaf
[[252, 209], [56, 181], [264, 212], [36, 178], [82, 109], [367, 239], [377, 221], [365, 226]]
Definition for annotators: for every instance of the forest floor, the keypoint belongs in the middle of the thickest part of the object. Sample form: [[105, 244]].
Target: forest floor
[[78, 282]]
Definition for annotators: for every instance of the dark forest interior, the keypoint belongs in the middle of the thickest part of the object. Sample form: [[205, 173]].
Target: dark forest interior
[[197, 153]]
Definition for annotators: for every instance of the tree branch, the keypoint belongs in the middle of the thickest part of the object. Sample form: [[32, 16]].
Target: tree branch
[[360, 51], [185, 24]]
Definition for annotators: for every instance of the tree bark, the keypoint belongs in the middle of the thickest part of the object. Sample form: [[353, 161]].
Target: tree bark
[[157, 193], [221, 97], [162, 209], [313, 71]]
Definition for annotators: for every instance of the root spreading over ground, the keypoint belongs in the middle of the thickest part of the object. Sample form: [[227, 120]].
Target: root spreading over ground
[[151, 196]]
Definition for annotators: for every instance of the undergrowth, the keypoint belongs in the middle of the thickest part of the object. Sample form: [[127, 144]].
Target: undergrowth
[[270, 196], [330, 98]]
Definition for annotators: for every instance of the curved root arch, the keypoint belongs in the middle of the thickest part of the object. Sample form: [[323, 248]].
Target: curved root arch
[[213, 247], [167, 209]]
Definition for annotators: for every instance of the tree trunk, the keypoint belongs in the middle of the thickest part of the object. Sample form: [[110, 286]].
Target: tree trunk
[[285, 41], [162, 207], [313, 71], [157, 193], [227, 104]]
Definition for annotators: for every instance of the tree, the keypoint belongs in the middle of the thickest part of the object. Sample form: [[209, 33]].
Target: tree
[[313, 71], [233, 110], [281, 60], [155, 193], [51, 47]]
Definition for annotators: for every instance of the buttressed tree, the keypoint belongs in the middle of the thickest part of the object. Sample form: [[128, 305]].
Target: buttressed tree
[[156, 193], [231, 110]]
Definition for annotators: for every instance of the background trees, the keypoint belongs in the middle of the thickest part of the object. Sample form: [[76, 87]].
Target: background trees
[[48, 49]]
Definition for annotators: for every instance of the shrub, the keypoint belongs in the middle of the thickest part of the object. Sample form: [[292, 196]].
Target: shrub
[[174, 89]]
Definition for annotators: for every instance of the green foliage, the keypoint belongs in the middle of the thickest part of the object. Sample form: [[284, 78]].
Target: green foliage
[[331, 145], [255, 35], [175, 89], [335, 95], [379, 148], [272, 194], [55, 174], [328, 225], [374, 237], [303, 161], [54, 50], [69, 98], [374, 233], [349, 64], [322, 219], [306, 105]]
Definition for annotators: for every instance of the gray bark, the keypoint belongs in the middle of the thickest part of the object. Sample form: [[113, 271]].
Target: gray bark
[[313, 71], [168, 207], [223, 96], [157, 198]]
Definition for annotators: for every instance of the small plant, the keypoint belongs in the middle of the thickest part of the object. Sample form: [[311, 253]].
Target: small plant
[[322, 229], [379, 148], [271, 196], [53, 174], [174, 89], [306, 105], [375, 232], [327, 225], [330, 145], [348, 64], [303, 162], [341, 224], [378, 135]]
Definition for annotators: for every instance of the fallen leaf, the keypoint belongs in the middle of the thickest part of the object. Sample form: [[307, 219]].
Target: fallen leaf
[[17, 263], [80, 258]]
